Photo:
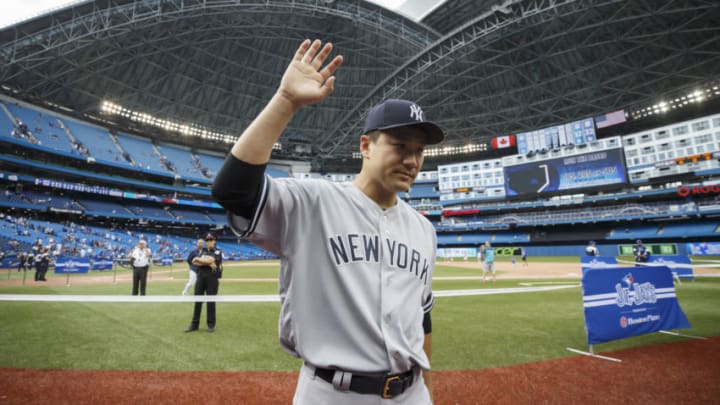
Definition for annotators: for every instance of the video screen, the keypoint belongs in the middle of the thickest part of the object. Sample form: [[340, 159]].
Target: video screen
[[588, 170]]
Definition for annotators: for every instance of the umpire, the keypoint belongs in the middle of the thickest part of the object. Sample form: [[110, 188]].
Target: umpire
[[209, 271]]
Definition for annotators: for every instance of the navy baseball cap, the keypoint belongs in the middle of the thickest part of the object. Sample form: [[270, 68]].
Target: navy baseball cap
[[395, 113], [638, 241], [210, 236]]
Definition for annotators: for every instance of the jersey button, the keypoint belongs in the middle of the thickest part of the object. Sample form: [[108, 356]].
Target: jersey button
[[397, 355]]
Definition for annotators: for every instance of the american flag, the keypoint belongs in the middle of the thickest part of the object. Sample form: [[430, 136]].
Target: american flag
[[610, 119]]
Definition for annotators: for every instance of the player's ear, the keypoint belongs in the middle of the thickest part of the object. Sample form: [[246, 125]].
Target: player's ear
[[365, 142]]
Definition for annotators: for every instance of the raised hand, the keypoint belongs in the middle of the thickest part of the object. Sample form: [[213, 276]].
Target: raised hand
[[305, 80]]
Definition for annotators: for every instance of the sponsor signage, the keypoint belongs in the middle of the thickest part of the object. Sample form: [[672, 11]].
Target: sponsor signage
[[704, 248], [684, 191], [621, 302], [655, 249]]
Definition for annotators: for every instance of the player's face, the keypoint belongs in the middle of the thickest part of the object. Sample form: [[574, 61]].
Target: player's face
[[200, 244], [395, 158], [211, 243]]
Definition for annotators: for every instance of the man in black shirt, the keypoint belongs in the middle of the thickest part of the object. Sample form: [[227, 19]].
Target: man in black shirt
[[642, 254], [209, 271]]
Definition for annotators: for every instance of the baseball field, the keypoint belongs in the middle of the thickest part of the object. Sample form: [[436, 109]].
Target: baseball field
[[81, 340]]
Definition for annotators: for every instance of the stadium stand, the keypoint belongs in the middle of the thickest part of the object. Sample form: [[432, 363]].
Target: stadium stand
[[210, 163], [466, 202], [183, 161], [143, 154], [98, 142]]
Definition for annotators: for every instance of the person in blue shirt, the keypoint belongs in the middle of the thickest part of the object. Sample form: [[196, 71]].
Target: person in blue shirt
[[488, 261]]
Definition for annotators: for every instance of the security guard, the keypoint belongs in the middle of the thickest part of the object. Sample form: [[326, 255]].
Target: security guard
[[209, 271]]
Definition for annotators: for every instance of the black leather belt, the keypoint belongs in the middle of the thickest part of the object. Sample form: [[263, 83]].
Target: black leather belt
[[386, 386]]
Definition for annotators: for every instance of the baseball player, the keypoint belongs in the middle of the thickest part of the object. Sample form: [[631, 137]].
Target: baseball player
[[488, 261], [208, 264], [356, 261], [192, 277]]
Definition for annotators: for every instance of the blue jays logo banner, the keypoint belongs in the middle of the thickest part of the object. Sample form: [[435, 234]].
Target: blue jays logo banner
[[621, 302], [72, 265]]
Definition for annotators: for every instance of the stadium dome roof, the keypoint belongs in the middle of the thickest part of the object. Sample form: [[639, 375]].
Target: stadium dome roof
[[479, 68]]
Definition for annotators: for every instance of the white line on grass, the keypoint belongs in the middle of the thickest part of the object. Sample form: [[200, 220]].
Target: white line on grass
[[242, 298]]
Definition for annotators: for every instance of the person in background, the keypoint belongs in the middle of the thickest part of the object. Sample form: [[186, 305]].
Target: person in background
[[209, 271], [523, 256], [42, 262], [22, 261], [192, 277], [641, 253], [140, 258], [591, 249], [488, 261]]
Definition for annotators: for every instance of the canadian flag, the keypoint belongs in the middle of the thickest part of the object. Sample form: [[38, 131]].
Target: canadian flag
[[501, 142]]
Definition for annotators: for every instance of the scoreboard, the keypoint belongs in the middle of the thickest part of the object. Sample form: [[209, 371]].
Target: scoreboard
[[576, 133]]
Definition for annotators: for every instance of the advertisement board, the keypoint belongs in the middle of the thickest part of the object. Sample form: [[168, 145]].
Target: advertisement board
[[655, 249]]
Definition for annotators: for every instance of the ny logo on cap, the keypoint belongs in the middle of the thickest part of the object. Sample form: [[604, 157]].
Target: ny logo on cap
[[416, 112]]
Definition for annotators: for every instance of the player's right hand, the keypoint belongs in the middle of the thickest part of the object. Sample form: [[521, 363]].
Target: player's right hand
[[305, 80]]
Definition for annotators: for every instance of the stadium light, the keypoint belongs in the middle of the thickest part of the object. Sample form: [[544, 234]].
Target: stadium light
[[679, 101], [188, 129]]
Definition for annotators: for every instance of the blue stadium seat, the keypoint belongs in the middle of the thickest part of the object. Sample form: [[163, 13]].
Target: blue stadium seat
[[182, 159], [143, 153], [98, 142], [44, 127]]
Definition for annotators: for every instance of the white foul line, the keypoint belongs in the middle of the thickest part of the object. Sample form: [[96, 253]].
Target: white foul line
[[243, 298]]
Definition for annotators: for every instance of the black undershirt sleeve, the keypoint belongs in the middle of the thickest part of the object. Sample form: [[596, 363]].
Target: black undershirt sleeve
[[237, 186], [427, 323]]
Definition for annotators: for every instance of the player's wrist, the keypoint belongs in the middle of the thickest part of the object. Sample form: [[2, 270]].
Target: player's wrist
[[285, 102]]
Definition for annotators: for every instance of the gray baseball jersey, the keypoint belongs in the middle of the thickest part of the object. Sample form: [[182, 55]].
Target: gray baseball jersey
[[355, 280]]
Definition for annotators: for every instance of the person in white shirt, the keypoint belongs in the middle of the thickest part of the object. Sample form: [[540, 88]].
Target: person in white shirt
[[140, 258]]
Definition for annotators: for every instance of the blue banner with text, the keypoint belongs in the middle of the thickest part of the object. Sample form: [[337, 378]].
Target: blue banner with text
[[621, 302], [72, 265]]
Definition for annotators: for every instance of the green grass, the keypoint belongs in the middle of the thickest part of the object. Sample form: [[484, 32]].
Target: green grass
[[468, 332]]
